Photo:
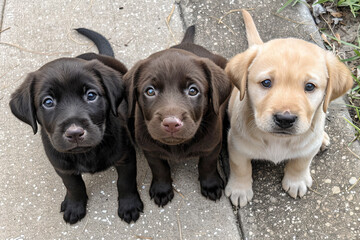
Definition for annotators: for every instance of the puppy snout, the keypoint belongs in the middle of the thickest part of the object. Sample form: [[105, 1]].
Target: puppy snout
[[285, 120], [172, 124], [74, 133]]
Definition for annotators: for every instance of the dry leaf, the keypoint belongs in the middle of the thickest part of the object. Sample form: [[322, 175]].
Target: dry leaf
[[336, 14], [325, 39], [338, 38]]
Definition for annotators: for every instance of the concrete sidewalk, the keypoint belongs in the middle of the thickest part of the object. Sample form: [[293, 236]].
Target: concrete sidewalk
[[31, 192]]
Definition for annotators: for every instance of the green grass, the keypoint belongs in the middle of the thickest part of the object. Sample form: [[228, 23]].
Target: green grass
[[354, 5]]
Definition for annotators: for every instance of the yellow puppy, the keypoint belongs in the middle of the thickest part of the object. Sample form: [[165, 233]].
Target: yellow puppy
[[277, 110]]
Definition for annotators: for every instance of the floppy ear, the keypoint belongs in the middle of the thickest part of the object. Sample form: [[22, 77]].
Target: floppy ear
[[219, 85], [22, 102], [131, 80], [339, 79], [237, 69], [111, 81]]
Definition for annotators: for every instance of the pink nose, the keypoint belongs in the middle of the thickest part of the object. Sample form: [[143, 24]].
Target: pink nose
[[172, 124]]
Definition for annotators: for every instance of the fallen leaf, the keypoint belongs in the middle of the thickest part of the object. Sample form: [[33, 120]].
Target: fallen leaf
[[323, 36], [338, 38], [336, 14]]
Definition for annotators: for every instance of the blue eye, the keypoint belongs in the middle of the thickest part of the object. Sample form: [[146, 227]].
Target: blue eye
[[48, 102], [309, 87], [91, 95], [266, 83], [150, 91], [193, 91]]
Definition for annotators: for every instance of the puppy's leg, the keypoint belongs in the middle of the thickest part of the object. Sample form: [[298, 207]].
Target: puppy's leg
[[161, 189], [74, 204], [239, 187], [326, 142], [130, 204], [210, 181], [297, 177]]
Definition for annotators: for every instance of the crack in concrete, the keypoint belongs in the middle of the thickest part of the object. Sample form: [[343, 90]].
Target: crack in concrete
[[181, 14], [2, 17]]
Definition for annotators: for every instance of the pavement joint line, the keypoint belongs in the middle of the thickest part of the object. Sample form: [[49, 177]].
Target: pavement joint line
[[181, 14], [2, 17]]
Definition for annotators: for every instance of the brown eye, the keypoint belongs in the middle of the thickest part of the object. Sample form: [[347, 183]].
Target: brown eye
[[193, 91], [150, 91]]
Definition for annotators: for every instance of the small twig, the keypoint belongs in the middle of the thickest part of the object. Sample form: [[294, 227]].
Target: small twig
[[353, 153], [357, 181], [312, 37], [329, 28], [168, 23], [77, 42], [127, 43], [179, 193], [85, 225], [316, 192], [178, 220], [219, 21], [5, 29], [227, 13], [32, 51], [232, 11], [290, 20]]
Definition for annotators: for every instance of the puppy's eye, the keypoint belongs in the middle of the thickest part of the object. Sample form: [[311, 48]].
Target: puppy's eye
[[309, 87], [91, 95], [193, 91], [48, 102], [266, 83], [150, 91]]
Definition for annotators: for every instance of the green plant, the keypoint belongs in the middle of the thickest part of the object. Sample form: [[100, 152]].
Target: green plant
[[354, 5], [292, 2]]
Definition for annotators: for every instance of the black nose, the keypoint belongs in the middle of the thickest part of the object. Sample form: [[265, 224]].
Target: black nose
[[74, 133], [285, 120]]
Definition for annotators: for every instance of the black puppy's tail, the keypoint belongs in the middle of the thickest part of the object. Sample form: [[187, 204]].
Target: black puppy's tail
[[189, 35], [100, 41]]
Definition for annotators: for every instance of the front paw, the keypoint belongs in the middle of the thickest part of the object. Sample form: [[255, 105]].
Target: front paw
[[212, 187], [130, 208], [240, 192], [74, 211], [161, 192], [296, 185], [325, 142]]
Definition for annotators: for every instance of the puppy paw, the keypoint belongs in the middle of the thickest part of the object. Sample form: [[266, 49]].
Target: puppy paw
[[326, 142], [212, 187], [74, 211], [130, 208], [161, 192], [240, 192], [297, 185]]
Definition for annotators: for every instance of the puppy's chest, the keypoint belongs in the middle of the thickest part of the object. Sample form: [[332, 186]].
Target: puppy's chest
[[278, 149]]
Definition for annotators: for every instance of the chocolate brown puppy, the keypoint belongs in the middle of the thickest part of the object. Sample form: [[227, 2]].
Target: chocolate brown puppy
[[177, 100], [78, 103]]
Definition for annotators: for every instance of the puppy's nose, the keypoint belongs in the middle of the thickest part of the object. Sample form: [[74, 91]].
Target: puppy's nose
[[285, 120], [74, 133], [172, 124]]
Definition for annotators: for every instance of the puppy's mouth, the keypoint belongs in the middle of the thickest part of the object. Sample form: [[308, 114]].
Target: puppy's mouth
[[282, 132], [172, 140], [79, 150]]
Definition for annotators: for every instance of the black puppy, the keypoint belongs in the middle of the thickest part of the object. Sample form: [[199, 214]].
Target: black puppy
[[177, 100], [78, 103]]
